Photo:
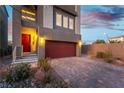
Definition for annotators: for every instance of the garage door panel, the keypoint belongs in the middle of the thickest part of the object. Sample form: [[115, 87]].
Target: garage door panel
[[56, 49]]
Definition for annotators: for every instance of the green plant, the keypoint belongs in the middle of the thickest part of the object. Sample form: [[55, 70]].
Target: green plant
[[18, 72], [6, 51], [43, 64], [100, 55], [47, 78], [113, 41], [55, 83], [99, 41], [60, 84]]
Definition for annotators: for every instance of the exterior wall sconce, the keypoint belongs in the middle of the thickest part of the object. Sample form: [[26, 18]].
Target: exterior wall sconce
[[35, 37], [80, 43], [42, 40]]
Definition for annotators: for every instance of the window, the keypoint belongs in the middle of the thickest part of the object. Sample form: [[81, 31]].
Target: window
[[28, 15], [28, 18], [58, 19], [65, 22], [71, 23], [27, 12]]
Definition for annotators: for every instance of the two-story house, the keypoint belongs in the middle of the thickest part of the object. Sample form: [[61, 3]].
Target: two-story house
[[117, 39], [3, 27], [47, 30]]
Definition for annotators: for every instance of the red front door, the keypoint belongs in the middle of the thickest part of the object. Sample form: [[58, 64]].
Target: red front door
[[26, 42]]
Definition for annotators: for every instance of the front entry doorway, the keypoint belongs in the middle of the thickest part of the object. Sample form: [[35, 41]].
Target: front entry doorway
[[26, 42]]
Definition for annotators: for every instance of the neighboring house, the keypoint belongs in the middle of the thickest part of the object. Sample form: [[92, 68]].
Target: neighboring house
[[3, 27], [117, 39], [48, 31]]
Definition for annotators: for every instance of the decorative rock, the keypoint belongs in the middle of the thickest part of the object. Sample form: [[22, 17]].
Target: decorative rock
[[119, 62], [32, 83], [67, 81], [40, 74], [100, 81]]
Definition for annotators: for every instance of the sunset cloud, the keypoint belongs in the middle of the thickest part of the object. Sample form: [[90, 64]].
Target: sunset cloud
[[101, 16]]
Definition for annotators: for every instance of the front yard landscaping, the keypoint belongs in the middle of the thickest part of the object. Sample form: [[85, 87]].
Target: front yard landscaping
[[34, 75], [108, 58]]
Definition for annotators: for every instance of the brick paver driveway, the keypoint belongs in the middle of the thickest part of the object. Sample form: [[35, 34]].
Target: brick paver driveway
[[83, 72]]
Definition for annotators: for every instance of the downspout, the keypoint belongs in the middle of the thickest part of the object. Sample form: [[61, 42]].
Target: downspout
[[38, 41]]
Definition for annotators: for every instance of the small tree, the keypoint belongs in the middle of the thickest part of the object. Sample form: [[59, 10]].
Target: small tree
[[99, 41], [112, 41]]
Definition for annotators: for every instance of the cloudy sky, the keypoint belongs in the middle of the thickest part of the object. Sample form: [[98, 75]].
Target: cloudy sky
[[95, 21], [99, 19]]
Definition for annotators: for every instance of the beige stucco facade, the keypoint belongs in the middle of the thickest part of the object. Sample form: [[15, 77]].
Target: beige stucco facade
[[117, 39]]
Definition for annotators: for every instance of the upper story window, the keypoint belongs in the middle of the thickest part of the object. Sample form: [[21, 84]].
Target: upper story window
[[28, 15], [58, 19], [65, 21], [71, 23]]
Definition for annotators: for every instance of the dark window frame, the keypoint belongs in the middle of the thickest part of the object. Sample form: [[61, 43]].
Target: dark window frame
[[25, 14], [63, 13]]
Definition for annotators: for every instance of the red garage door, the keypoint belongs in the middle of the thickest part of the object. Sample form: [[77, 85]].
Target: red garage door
[[58, 49]]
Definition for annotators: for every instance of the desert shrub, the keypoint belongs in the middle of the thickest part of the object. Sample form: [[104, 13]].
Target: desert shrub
[[52, 82], [112, 41], [43, 63], [99, 41], [6, 51], [61, 84], [18, 72], [48, 78], [58, 84], [100, 55], [104, 55]]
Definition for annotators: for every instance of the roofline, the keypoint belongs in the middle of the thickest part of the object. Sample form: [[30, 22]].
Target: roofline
[[117, 37], [74, 13]]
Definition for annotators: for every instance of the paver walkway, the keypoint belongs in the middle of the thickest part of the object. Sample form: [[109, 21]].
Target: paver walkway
[[84, 72]]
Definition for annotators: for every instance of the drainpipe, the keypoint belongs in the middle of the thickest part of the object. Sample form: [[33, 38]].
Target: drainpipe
[[38, 41]]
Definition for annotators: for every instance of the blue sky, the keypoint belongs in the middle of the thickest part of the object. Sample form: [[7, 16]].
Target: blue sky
[[9, 9], [99, 19], [95, 21]]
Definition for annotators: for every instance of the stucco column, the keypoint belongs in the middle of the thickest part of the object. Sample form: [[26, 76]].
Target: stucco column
[[17, 29], [41, 47], [78, 50], [77, 20]]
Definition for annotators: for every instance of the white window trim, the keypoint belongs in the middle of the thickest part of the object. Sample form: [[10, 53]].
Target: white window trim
[[71, 25], [59, 24], [67, 26]]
